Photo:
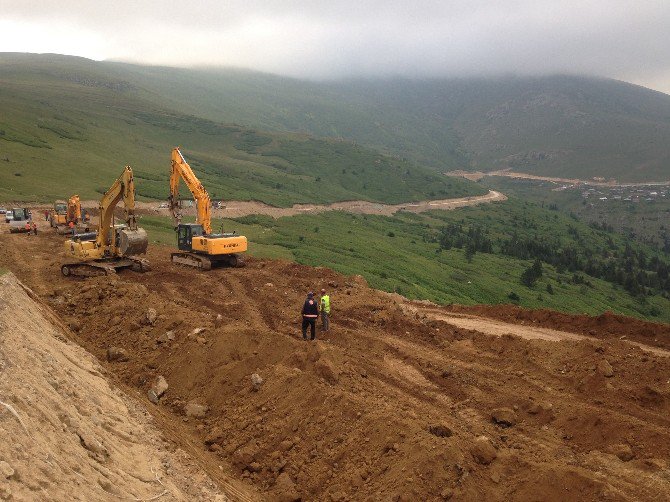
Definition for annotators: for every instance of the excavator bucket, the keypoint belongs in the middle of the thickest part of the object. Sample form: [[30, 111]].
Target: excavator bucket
[[133, 242]]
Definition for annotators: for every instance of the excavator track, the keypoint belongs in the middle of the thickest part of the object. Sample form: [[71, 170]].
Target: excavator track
[[100, 268], [192, 260]]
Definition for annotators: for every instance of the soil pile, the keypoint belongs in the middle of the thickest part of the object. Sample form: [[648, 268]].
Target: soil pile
[[389, 405]]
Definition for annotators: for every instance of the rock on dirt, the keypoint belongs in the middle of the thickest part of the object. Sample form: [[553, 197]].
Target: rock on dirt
[[623, 451], [117, 354], [159, 388], [483, 451], [195, 332], [6, 470], [256, 382], [218, 321], [168, 336], [441, 431], [505, 417], [285, 490], [605, 368], [150, 317], [196, 410]]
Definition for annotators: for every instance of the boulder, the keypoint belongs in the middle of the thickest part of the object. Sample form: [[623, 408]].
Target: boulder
[[196, 410], [483, 451], [440, 430], [218, 321], [117, 354], [157, 389], [6, 470], [256, 382], [150, 316], [505, 417], [605, 368]]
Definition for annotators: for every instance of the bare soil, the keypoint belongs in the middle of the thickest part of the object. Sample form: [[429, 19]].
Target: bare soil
[[391, 404], [67, 434]]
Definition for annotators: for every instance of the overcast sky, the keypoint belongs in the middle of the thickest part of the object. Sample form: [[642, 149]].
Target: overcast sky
[[629, 40]]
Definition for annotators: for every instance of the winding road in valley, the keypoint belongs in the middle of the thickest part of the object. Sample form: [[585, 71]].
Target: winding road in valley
[[234, 209]]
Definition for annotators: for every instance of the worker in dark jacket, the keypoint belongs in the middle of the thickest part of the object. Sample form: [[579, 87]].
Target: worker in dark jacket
[[310, 312]]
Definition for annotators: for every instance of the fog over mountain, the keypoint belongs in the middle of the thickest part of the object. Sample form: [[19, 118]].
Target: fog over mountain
[[621, 39]]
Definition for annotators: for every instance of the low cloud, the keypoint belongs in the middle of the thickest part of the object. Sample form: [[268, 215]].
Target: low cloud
[[318, 39]]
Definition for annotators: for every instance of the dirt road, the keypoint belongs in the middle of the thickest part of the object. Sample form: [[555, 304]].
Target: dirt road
[[500, 328], [389, 405], [235, 208], [508, 173]]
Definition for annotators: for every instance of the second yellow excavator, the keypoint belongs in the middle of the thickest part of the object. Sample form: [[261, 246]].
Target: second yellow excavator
[[64, 217], [198, 246], [112, 247]]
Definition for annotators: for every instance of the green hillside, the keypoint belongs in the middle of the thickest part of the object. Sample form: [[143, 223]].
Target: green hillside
[[470, 256], [67, 130], [556, 125]]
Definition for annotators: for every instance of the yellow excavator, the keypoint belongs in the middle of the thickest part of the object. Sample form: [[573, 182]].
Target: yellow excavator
[[198, 246], [112, 247], [58, 215], [64, 214]]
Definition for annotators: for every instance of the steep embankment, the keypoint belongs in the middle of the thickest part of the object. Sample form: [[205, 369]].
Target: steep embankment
[[389, 404], [68, 434]]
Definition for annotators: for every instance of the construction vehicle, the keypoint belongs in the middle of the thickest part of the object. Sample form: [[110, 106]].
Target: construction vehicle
[[112, 247], [58, 215], [198, 246], [66, 216], [20, 221]]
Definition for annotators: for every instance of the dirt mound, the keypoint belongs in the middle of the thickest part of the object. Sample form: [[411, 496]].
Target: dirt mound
[[65, 431], [604, 326], [387, 406]]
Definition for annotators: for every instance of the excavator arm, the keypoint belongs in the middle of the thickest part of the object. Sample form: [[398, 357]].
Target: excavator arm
[[123, 188], [182, 171]]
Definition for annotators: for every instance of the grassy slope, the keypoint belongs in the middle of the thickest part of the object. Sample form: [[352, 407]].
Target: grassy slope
[[69, 129], [409, 264], [565, 126]]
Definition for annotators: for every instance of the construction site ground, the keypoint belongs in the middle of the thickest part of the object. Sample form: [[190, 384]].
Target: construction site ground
[[399, 401]]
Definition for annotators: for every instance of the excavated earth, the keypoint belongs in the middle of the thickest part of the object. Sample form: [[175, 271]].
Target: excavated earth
[[391, 404]]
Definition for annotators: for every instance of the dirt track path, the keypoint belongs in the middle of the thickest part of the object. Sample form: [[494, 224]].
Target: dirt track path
[[235, 209], [499, 328], [477, 175]]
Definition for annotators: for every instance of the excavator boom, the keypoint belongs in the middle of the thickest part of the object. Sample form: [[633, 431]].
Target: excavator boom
[[182, 171]]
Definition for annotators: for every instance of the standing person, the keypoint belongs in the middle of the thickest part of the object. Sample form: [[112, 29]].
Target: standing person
[[71, 227], [46, 215], [325, 310], [310, 312], [34, 228]]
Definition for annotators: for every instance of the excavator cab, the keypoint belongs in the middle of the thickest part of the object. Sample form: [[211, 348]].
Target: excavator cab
[[185, 234]]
